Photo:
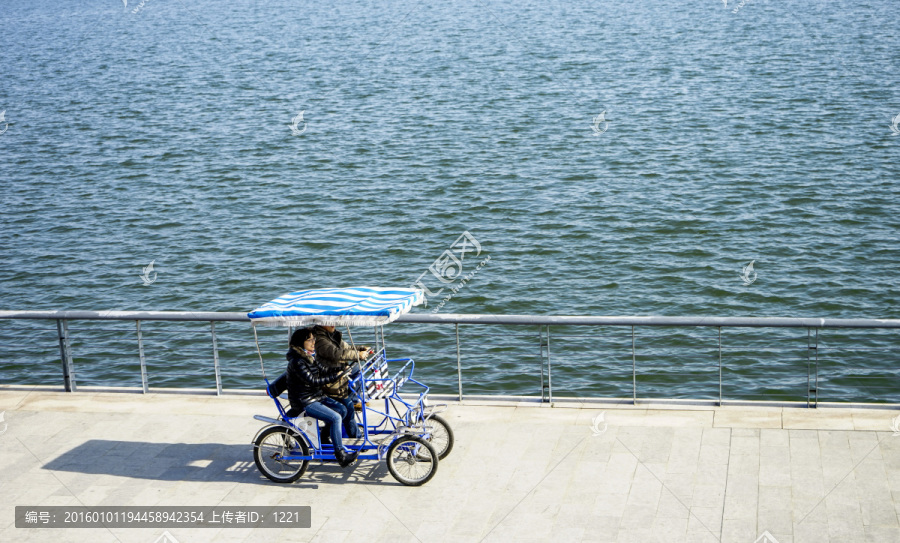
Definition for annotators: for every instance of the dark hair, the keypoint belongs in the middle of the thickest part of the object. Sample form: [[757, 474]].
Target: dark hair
[[299, 336]]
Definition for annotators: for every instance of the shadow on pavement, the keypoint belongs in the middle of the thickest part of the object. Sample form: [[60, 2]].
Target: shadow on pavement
[[214, 462]]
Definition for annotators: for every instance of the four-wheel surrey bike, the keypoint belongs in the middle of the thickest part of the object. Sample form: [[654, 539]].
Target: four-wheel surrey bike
[[401, 429]]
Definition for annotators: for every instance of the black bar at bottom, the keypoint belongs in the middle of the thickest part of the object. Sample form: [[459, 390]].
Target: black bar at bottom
[[65, 516]]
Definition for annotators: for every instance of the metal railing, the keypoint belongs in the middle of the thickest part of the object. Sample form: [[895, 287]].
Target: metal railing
[[543, 323]]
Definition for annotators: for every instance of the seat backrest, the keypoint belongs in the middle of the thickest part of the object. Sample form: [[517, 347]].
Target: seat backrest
[[278, 386], [375, 373], [275, 389]]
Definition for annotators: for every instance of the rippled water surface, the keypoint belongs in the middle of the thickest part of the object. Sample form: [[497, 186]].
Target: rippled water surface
[[754, 132]]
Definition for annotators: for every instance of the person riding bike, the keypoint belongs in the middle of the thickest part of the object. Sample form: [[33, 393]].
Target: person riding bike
[[305, 378], [333, 352]]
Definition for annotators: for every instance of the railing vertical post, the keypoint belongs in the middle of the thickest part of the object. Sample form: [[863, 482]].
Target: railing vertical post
[[212, 327], [458, 363], [541, 339], [549, 369], [65, 355], [145, 385], [817, 369], [812, 369], [720, 366], [633, 370]]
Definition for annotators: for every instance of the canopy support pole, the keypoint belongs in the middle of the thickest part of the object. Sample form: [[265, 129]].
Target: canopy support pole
[[259, 352], [359, 369]]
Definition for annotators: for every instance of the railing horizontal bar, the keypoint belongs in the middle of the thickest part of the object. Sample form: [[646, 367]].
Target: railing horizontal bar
[[878, 349], [180, 350], [23, 330], [617, 337], [169, 337], [557, 320], [128, 315], [537, 320], [86, 347], [161, 332], [749, 348], [855, 377], [123, 329]]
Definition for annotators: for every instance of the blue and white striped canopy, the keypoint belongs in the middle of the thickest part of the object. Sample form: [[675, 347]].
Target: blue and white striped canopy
[[359, 306]]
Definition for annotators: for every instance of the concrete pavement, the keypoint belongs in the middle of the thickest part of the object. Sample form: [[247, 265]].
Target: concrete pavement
[[518, 472]]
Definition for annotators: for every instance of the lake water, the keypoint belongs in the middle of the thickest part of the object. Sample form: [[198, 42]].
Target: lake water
[[628, 158]]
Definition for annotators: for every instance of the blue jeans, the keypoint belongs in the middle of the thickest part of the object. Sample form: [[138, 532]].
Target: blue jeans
[[348, 416], [332, 413]]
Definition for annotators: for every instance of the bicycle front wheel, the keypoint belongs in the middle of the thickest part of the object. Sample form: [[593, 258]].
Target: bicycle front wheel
[[412, 460], [440, 436]]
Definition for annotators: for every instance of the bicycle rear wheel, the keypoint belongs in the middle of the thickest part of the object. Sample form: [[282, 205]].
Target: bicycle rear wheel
[[270, 450]]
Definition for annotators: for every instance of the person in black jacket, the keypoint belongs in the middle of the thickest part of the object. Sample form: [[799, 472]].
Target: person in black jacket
[[305, 378], [333, 352]]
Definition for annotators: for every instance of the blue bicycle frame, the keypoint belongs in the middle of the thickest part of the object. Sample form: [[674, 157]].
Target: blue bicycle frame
[[368, 384]]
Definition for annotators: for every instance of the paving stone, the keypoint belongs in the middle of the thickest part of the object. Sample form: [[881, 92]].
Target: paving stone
[[810, 532], [739, 530], [881, 534], [747, 417], [774, 498], [774, 471], [671, 506], [773, 439], [775, 521], [705, 518], [711, 474], [817, 419]]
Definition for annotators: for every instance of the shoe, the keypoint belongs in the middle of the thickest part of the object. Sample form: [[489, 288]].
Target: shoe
[[345, 459]]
